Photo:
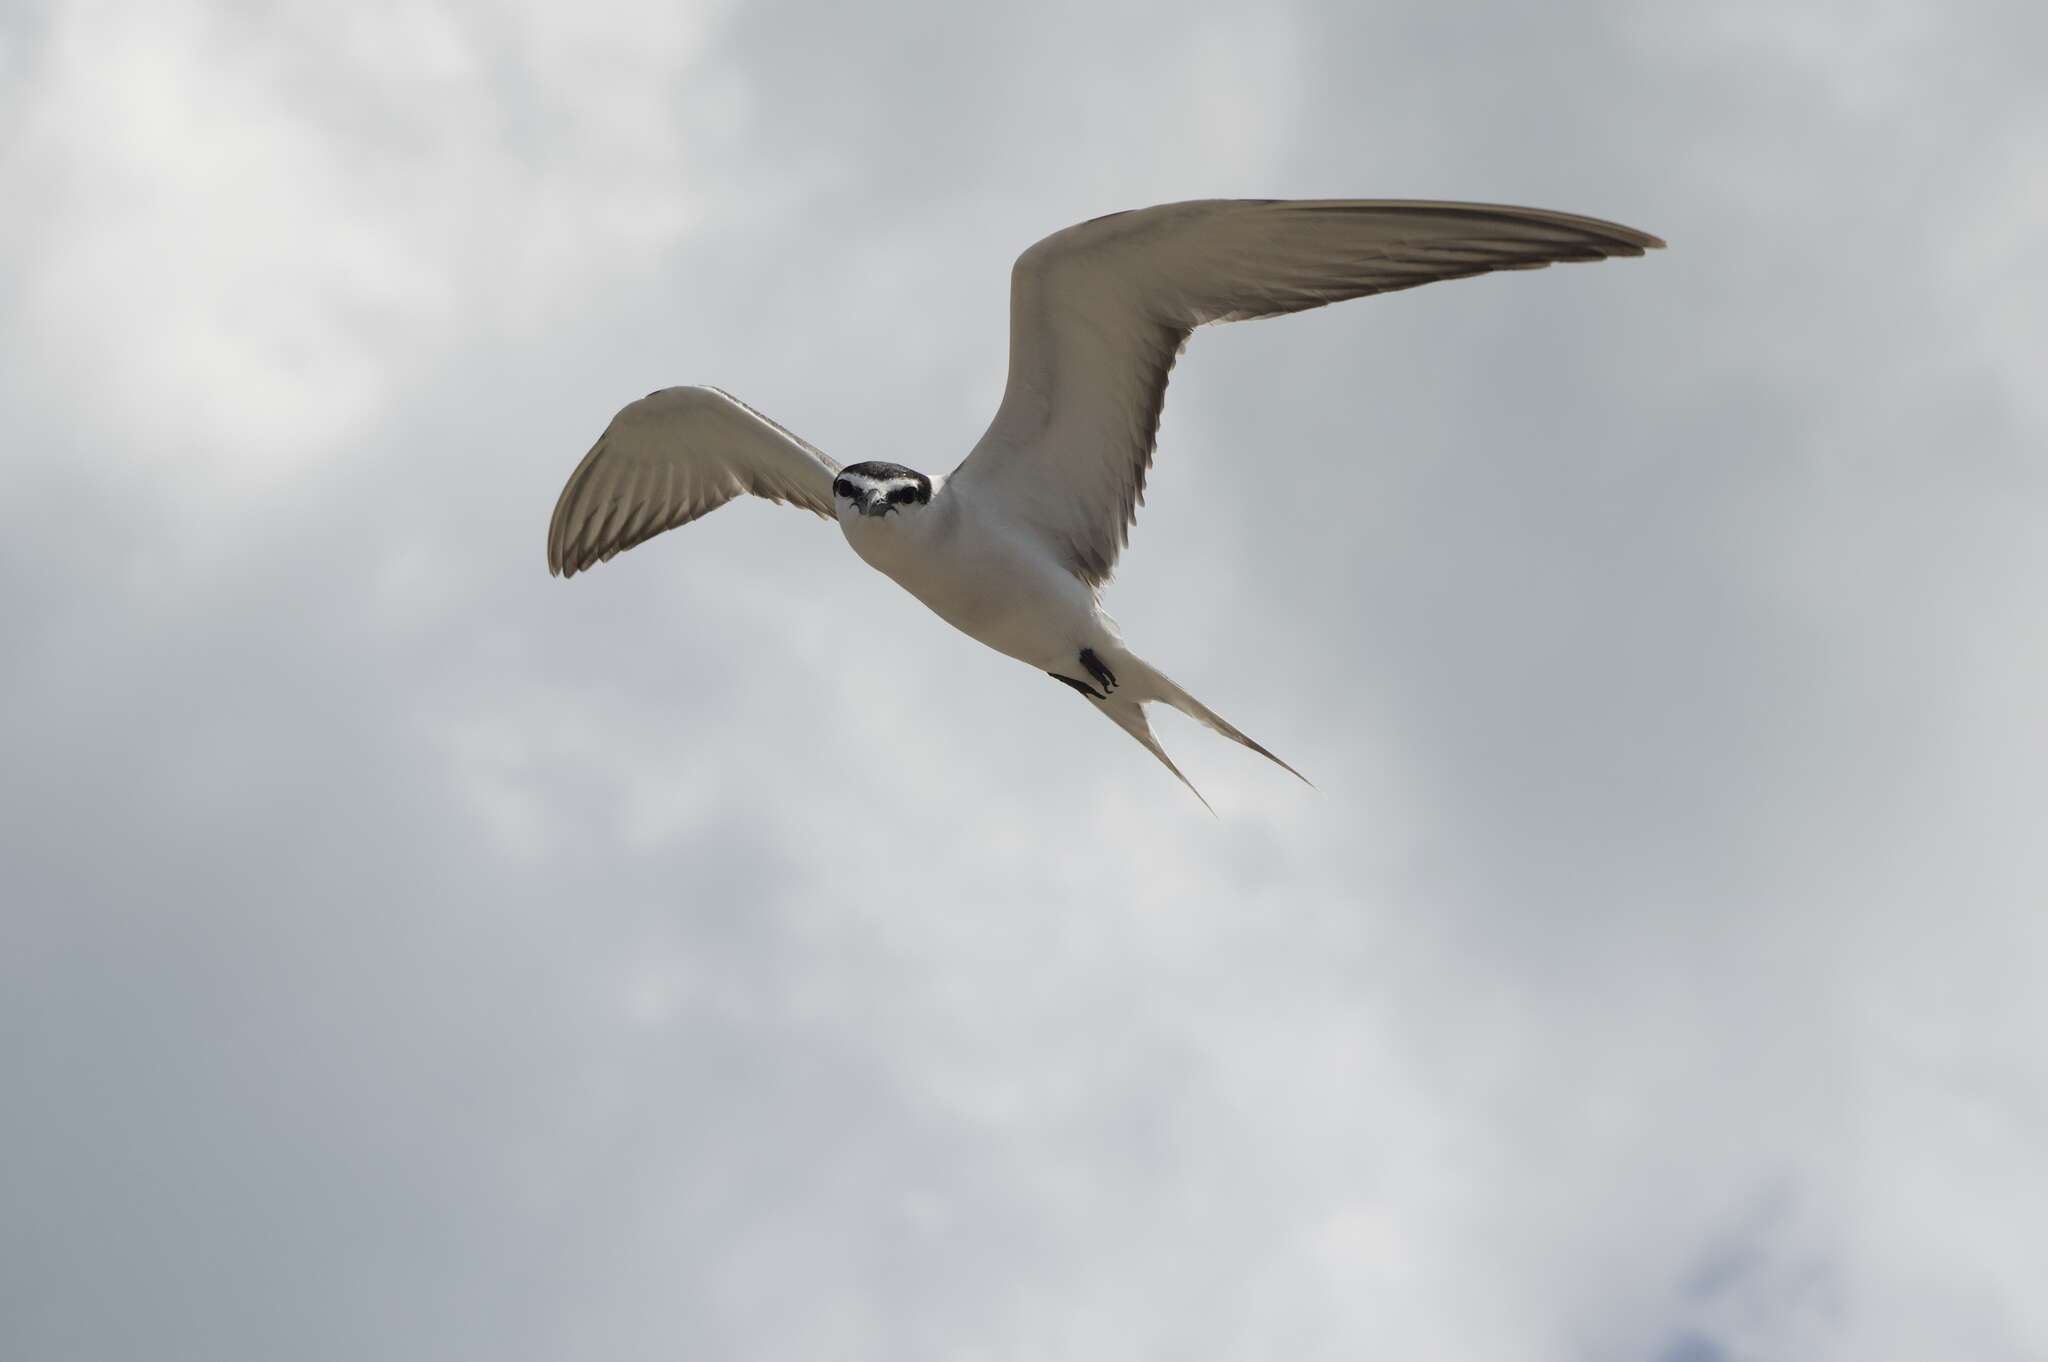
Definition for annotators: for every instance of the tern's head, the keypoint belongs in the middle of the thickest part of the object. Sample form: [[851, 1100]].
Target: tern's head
[[876, 489]]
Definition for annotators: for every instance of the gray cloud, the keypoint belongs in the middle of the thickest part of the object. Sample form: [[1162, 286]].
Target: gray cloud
[[412, 956]]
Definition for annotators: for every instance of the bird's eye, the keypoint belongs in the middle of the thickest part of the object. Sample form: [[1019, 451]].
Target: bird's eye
[[902, 494], [842, 488]]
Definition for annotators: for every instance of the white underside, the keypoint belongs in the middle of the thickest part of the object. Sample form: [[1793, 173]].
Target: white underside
[[992, 581]]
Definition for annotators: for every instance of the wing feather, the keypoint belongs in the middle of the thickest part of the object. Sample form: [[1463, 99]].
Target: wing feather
[[1099, 312], [669, 458]]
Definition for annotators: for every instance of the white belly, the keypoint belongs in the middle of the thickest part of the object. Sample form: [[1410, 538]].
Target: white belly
[[997, 588]]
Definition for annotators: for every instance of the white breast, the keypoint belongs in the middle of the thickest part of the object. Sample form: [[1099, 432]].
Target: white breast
[[996, 587]]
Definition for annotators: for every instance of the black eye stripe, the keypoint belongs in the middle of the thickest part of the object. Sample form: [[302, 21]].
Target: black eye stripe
[[892, 482]]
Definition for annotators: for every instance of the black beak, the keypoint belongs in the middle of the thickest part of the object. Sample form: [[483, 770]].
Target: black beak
[[876, 503]]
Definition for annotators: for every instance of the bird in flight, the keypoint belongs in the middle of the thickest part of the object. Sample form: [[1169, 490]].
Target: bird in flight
[[1013, 547]]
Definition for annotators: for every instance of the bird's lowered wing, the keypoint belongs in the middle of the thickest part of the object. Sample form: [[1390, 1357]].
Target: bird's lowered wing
[[673, 456], [1100, 311]]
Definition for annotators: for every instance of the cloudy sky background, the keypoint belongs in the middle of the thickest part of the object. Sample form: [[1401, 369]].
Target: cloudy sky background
[[407, 955]]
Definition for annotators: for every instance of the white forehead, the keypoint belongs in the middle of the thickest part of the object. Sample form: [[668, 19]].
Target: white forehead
[[865, 482]]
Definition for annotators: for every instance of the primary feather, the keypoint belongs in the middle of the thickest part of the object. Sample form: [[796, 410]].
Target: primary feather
[[1100, 311], [673, 456]]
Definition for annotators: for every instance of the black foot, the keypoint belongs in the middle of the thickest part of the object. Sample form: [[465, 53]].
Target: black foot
[[1104, 677], [1081, 686]]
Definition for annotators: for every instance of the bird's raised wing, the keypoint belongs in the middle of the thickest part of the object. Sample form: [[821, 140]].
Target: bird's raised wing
[[1100, 311], [673, 456]]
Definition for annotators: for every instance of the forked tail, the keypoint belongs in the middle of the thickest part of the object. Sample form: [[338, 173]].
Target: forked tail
[[1140, 682]]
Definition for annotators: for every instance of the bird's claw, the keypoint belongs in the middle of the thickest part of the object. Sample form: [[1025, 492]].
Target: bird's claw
[[1104, 677]]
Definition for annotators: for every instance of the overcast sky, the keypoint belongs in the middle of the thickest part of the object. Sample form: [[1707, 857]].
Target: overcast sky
[[406, 955]]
